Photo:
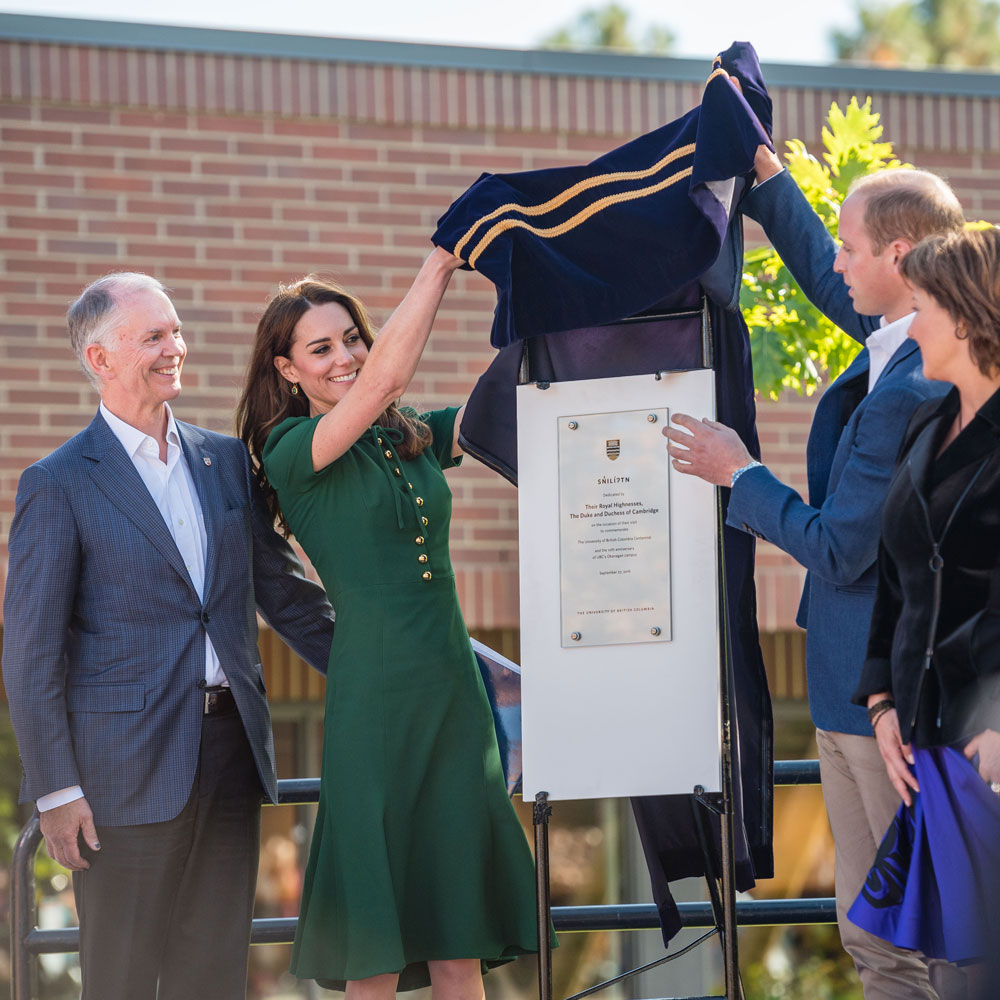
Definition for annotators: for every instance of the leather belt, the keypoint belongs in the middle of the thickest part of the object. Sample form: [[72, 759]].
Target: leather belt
[[219, 700]]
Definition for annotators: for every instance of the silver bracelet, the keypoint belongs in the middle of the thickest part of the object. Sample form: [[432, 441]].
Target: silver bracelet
[[739, 472]]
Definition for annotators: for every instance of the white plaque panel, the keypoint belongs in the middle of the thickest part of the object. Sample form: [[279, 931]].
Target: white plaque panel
[[620, 716], [614, 528]]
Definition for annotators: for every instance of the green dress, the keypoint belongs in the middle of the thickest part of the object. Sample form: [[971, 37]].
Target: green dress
[[417, 852]]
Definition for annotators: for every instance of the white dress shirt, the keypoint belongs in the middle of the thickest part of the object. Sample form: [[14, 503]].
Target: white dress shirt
[[883, 343], [173, 491]]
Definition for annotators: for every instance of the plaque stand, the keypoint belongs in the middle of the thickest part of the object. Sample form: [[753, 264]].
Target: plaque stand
[[721, 888]]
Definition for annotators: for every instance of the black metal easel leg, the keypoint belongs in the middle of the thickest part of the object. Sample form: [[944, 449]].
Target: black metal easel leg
[[541, 815], [727, 840]]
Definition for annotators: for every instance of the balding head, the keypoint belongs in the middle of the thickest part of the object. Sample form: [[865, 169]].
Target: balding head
[[901, 204]]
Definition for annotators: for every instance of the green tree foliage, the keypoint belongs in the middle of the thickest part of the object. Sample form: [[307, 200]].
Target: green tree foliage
[[609, 27], [955, 33], [791, 341]]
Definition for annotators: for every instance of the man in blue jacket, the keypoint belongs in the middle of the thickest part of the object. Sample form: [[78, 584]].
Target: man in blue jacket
[[140, 553], [856, 433]]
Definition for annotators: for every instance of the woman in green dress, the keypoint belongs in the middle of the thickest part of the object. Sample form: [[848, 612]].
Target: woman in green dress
[[419, 871]]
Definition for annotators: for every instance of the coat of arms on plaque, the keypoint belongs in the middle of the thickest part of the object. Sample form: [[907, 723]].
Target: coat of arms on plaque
[[613, 448]]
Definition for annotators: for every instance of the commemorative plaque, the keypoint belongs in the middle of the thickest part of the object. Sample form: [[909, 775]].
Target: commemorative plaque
[[614, 528]]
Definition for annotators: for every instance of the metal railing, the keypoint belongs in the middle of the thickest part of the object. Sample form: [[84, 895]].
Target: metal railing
[[28, 941]]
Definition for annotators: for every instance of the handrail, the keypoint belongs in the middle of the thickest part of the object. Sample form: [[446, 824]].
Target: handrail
[[27, 940]]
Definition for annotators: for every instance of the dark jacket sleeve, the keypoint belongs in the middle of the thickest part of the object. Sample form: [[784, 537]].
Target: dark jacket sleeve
[[876, 674], [294, 606], [808, 250]]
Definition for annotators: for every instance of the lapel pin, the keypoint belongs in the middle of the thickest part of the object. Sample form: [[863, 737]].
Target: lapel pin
[[207, 460]]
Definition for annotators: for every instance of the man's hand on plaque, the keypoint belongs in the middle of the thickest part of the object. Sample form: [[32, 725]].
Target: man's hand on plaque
[[711, 451]]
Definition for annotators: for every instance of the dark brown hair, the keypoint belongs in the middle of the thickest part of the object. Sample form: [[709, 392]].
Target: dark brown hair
[[961, 272], [267, 399]]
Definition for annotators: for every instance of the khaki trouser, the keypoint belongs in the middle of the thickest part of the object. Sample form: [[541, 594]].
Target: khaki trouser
[[861, 802]]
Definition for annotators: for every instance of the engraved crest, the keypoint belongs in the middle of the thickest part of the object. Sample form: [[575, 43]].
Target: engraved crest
[[613, 448]]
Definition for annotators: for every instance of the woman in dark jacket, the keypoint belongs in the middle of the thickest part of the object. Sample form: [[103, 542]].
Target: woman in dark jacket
[[931, 680]]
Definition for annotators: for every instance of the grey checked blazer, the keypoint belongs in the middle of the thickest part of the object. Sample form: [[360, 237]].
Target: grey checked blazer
[[104, 632]]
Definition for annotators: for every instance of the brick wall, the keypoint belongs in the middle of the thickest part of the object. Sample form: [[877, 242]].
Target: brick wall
[[223, 174]]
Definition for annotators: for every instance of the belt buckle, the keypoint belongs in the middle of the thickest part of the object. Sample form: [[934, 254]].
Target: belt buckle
[[211, 697]]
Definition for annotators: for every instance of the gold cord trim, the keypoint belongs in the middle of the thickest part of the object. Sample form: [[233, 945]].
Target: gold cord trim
[[580, 217], [571, 192]]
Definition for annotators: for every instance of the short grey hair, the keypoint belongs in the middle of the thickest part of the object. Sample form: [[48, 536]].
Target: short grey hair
[[96, 313]]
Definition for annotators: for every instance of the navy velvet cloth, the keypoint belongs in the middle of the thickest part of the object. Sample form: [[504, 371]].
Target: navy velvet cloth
[[561, 303], [545, 238]]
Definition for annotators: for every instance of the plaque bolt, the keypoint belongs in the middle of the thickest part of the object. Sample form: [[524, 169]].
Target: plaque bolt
[[651, 417], [573, 425], [655, 630], [575, 636]]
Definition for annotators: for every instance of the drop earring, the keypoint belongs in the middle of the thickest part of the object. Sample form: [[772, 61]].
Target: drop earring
[[295, 388]]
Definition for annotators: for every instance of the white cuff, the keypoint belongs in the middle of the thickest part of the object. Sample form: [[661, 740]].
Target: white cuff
[[752, 464], [60, 798]]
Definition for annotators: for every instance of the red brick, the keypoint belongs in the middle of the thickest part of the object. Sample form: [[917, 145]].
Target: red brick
[[319, 259], [105, 161], [153, 120], [33, 265], [197, 272], [148, 206], [196, 188], [26, 243], [420, 156], [116, 140], [157, 164], [320, 173], [75, 115], [81, 246], [17, 156], [373, 259], [36, 136], [276, 234], [39, 179], [117, 182], [290, 192], [200, 231], [233, 168], [35, 222], [235, 123], [269, 149], [19, 287], [239, 254], [307, 129], [184, 144], [368, 175], [395, 133], [80, 203], [11, 200], [122, 227], [238, 210], [344, 151], [313, 213], [351, 195]]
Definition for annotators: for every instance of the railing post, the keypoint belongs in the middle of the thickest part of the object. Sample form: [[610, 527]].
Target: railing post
[[23, 915], [542, 811]]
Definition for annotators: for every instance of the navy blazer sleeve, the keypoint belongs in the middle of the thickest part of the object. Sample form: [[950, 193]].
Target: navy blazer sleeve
[[808, 250], [839, 540], [42, 583], [294, 606]]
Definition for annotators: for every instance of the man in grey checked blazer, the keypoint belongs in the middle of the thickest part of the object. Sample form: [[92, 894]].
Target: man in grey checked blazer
[[140, 552]]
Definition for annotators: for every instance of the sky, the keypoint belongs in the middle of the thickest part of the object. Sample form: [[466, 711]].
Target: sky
[[791, 31]]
